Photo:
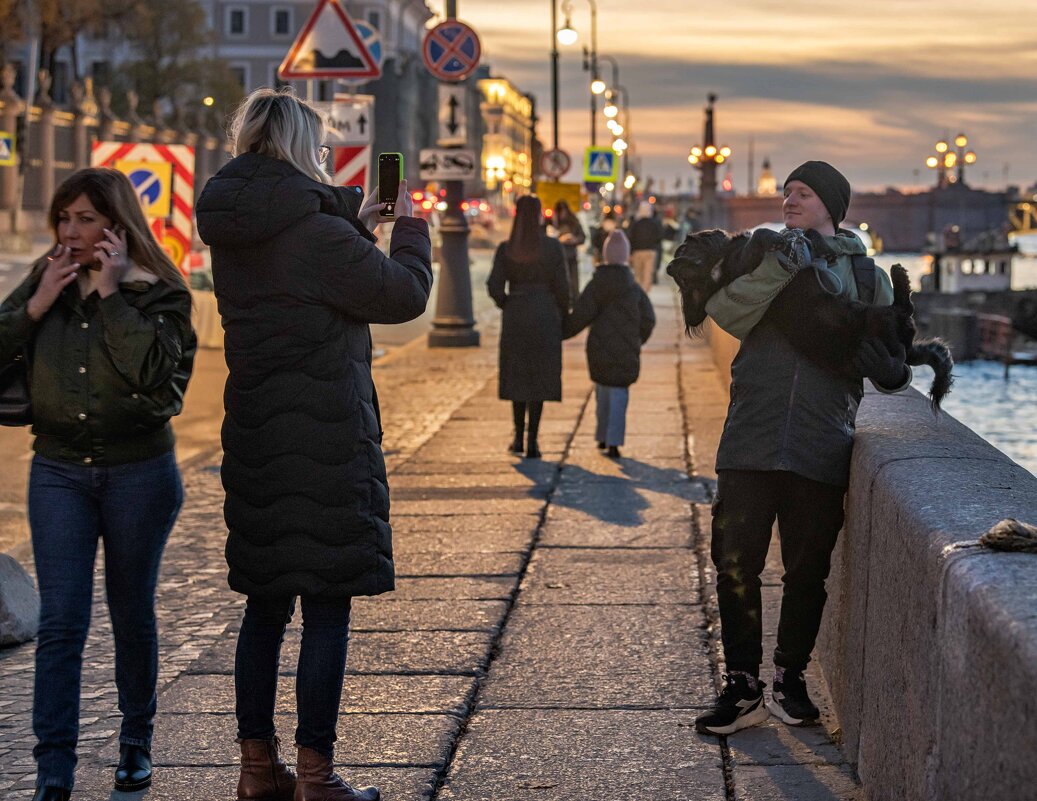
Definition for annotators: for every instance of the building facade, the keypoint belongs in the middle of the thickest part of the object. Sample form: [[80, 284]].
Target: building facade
[[507, 147]]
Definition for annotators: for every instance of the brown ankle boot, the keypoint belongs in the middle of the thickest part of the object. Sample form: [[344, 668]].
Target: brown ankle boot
[[264, 775], [318, 782]]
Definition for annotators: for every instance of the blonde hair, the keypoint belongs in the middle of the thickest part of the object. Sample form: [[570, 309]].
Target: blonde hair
[[113, 196], [275, 123]]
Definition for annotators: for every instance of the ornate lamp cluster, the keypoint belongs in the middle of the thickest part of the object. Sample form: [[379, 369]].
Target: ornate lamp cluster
[[948, 158]]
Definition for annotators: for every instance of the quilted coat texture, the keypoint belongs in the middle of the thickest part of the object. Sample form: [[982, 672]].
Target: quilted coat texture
[[307, 500], [621, 320], [534, 298]]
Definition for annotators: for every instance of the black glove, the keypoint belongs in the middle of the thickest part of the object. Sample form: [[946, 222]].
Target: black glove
[[875, 361]]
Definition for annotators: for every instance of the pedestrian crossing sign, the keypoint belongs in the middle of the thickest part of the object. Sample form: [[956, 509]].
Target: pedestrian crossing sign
[[6, 149], [153, 182], [600, 165]]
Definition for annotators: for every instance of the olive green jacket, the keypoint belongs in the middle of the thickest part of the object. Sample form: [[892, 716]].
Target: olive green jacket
[[105, 374]]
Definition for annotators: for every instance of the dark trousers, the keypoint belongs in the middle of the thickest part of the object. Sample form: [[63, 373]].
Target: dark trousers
[[131, 507], [809, 515], [318, 681]]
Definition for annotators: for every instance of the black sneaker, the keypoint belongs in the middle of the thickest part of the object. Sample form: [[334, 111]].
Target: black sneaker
[[790, 701], [738, 707]]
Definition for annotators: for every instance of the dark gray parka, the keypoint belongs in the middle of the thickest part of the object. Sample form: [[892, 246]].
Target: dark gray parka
[[786, 412]]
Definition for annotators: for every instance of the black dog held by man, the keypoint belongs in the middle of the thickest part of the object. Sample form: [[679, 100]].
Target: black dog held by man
[[823, 325]]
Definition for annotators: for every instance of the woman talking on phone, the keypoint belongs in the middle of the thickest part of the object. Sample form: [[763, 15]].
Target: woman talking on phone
[[105, 321], [298, 279]]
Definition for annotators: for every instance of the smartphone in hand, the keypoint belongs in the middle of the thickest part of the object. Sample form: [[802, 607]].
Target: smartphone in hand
[[390, 173]]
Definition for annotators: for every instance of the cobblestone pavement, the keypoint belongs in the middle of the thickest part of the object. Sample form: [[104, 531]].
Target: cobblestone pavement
[[553, 634]]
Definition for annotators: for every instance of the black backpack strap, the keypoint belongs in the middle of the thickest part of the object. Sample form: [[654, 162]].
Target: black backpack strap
[[864, 276]]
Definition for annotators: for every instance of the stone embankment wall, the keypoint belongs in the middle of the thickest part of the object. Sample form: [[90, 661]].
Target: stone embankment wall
[[929, 643]]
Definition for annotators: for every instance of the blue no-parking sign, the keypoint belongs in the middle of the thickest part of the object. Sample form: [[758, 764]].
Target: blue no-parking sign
[[451, 50]]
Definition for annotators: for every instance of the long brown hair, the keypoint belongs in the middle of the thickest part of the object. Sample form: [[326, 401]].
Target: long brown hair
[[524, 242], [112, 195]]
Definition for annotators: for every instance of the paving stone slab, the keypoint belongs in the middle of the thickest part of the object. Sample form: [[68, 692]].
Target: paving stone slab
[[774, 743], [436, 467], [407, 482], [363, 739], [659, 473], [387, 614], [198, 784], [420, 651], [602, 656], [462, 588], [611, 576], [799, 782], [566, 755], [368, 693], [512, 536], [620, 504], [672, 533], [464, 524], [465, 506], [493, 494], [374, 652], [412, 564]]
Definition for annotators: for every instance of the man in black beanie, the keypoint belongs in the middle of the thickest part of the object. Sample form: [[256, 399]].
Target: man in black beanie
[[785, 455]]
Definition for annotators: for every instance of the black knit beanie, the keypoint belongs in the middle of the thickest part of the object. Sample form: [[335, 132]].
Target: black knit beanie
[[829, 184]]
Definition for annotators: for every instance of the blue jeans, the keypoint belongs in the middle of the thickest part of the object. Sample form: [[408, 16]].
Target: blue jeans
[[612, 413], [318, 682], [132, 507]]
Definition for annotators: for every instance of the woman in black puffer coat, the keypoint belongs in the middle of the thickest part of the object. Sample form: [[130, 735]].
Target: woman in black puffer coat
[[298, 279]]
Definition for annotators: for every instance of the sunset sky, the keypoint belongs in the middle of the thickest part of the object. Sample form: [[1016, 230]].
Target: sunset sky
[[868, 86]]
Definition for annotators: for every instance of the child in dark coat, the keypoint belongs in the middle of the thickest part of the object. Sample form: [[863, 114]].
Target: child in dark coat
[[621, 319]]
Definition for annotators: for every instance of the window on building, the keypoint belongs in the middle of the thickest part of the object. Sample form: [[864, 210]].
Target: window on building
[[375, 18], [240, 73], [101, 72], [237, 21], [282, 22]]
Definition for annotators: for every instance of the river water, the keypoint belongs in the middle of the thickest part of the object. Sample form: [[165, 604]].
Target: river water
[[1003, 412]]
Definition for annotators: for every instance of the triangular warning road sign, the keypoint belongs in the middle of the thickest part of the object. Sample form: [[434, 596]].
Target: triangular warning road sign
[[328, 46]]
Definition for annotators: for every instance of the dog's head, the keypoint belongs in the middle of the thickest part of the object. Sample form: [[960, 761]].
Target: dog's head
[[698, 269]]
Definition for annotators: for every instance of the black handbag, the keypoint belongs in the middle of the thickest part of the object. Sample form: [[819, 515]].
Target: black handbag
[[15, 403]]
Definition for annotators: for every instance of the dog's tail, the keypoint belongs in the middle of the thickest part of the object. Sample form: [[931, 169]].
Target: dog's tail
[[901, 289], [936, 354]]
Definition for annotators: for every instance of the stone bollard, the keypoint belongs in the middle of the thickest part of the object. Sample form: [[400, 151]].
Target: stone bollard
[[47, 154], [19, 603]]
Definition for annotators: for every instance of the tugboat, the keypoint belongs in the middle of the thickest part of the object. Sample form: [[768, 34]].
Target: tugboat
[[967, 298]]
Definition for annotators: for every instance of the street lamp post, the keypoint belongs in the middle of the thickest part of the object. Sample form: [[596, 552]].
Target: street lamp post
[[454, 323], [705, 158], [567, 36], [554, 73], [947, 158]]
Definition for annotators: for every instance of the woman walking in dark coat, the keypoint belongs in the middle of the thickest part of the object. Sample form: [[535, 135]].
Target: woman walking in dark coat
[[532, 267], [298, 279]]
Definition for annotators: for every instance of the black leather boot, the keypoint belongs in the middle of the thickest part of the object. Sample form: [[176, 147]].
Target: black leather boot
[[134, 770], [51, 794]]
